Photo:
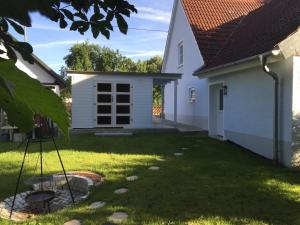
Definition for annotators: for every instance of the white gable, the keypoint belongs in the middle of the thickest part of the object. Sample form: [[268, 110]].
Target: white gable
[[194, 113]]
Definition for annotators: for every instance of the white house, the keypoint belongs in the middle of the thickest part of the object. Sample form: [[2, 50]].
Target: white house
[[40, 71], [114, 99], [249, 70], [43, 73]]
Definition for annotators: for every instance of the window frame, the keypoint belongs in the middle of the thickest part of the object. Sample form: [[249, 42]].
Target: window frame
[[192, 95], [180, 53]]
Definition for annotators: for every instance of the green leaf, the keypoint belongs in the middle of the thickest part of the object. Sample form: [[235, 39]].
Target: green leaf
[[3, 25], [29, 97], [16, 26], [63, 24], [122, 24], [18, 114], [68, 14]]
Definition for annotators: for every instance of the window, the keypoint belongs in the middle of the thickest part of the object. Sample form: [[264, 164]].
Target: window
[[221, 100], [180, 54], [192, 95]]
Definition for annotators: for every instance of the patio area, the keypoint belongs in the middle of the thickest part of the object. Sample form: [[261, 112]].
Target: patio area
[[177, 178]]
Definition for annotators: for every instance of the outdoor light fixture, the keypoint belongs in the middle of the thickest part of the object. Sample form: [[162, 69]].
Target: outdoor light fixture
[[224, 89], [192, 94]]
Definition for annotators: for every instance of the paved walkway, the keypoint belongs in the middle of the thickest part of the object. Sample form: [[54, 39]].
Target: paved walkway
[[162, 123]]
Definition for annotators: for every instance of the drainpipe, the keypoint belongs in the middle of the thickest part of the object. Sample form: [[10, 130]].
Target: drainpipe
[[275, 78]]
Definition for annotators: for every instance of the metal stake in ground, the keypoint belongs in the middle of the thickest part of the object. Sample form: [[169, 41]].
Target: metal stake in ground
[[61, 162], [19, 178]]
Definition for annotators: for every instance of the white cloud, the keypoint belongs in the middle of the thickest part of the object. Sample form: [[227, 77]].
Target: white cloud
[[57, 43], [144, 54], [45, 27], [152, 37], [148, 13]]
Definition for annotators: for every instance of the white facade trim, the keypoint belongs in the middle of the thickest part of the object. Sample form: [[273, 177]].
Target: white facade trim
[[170, 32]]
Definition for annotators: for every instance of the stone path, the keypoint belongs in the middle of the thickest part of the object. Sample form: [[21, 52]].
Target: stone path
[[121, 191], [73, 222], [178, 154], [132, 178], [161, 160], [118, 217], [154, 168], [97, 205]]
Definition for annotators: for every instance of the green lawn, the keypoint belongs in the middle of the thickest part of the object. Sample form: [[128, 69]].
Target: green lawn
[[213, 183]]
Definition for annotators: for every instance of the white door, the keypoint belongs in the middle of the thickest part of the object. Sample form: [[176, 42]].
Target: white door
[[216, 110], [122, 105], [113, 104], [104, 104]]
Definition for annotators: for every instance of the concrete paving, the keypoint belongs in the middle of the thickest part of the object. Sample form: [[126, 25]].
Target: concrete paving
[[121, 191]]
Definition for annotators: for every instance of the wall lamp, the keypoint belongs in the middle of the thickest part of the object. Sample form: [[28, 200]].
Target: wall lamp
[[225, 91]]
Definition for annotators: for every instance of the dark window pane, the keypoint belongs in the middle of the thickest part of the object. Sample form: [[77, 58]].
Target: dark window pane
[[104, 87], [123, 87], [123, 109], [221, 100], [123, 120], [104, 98], [123, 98], [104, 109], [104, 120]]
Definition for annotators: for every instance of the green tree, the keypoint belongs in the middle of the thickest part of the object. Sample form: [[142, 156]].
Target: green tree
[[90, 57], [66, 92], [20, 96], [152, 65]]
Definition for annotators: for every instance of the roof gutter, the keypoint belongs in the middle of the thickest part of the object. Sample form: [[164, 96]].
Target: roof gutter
[[204, 73], [276, 83]]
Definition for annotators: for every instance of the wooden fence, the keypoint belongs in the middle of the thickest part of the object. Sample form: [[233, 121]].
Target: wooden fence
[[157, 110]]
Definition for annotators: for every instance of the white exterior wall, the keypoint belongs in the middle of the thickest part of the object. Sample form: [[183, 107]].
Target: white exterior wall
[[195, 114], [35, 71], [296, 114], [248, 109], [84, 97]]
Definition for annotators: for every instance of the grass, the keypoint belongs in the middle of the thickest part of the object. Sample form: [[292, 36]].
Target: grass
[[214, 183]]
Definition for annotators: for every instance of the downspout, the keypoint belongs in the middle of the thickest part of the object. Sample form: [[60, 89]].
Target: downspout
[[275, 78]]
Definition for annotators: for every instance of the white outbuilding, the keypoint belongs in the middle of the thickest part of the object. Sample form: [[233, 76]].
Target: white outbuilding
[[115, 99]]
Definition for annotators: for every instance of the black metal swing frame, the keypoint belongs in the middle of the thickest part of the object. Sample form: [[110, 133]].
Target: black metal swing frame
[[28, 141]]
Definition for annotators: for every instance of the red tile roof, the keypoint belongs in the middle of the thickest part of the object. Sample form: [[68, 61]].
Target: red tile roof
[[260, 31], [214, 21]]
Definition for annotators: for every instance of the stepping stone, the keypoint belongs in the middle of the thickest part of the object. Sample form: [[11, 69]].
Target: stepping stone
[[73, 222], [161, 160], [132, 178], [121, 191], [118, 217], [154, 168], [97, 205], [184, 148], [178, 154]]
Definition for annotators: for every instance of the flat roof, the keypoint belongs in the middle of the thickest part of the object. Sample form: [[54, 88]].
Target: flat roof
[[154, 75]]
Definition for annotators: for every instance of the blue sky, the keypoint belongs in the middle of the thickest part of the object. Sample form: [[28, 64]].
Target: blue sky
[[51, 44]]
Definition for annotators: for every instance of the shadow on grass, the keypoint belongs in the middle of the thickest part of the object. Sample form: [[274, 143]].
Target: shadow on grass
[[213, 183]]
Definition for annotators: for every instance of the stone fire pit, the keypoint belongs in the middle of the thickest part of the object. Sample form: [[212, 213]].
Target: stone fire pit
[[80, 183]]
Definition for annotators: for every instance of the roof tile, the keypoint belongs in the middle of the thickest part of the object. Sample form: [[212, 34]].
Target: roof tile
[[213, 21]]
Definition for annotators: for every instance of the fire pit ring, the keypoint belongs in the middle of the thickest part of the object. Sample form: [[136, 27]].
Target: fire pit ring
[[38, 201]]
